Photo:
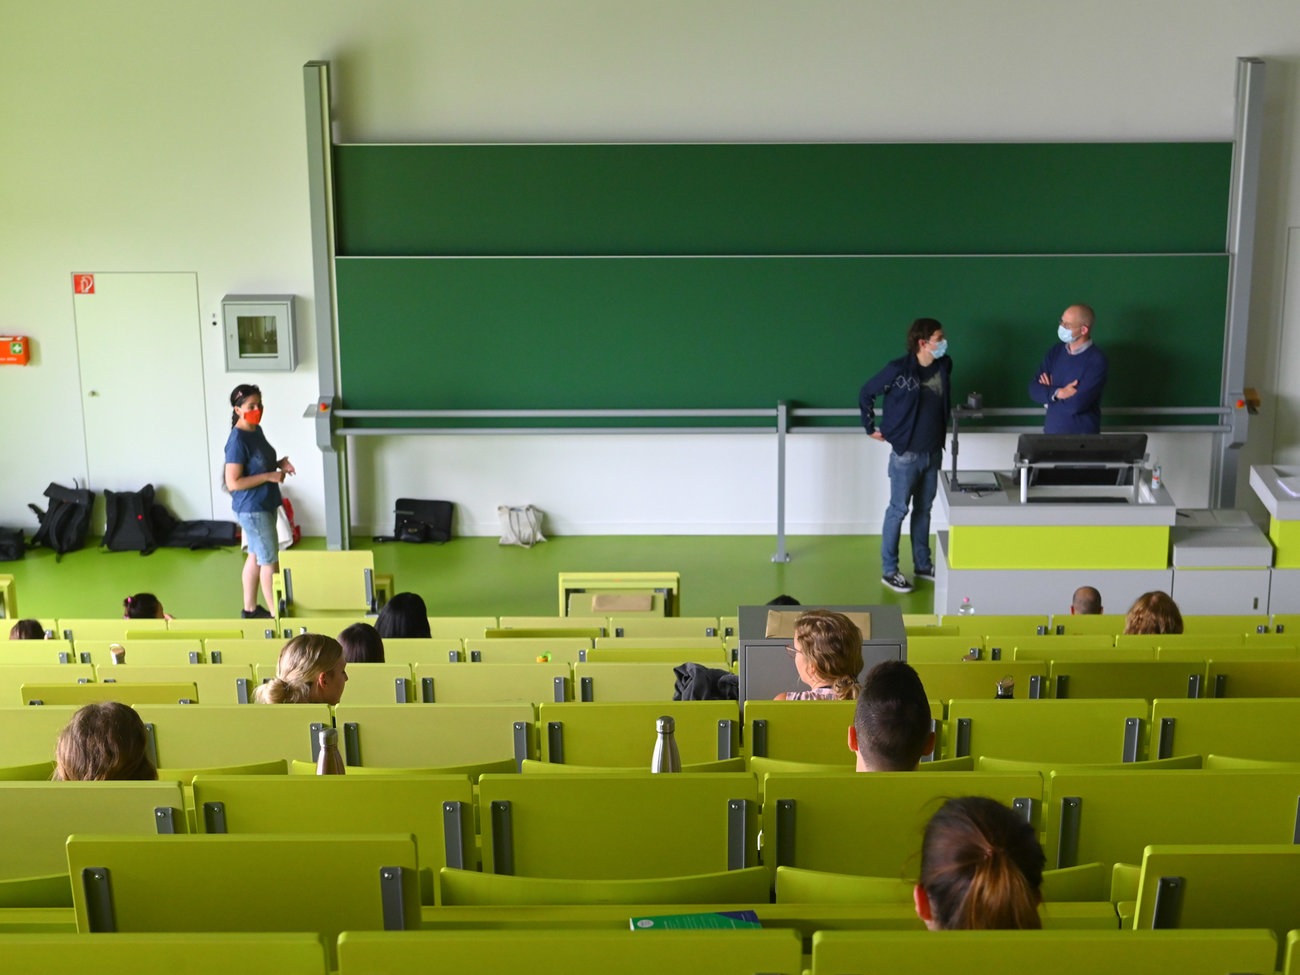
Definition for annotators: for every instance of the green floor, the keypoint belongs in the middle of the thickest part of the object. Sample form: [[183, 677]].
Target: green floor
[[477, 576]]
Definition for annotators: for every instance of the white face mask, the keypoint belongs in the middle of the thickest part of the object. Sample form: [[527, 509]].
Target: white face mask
[[939, 349], [1064, 334]]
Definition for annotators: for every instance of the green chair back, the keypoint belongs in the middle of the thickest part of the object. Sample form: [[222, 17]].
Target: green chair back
[[1253, 678], [690, 627], [29, 734], [618, 825], [560, 952], [1148, 679], [460, 627], [434, 735], [1059, 731], [1073, 624], [1246, 728], [1063, 952], [126, 692], [528, 683], [218, 735], [36, 818], [632, 681], [526, 650], [198, 953], [799, 731], [623, 735], [215, 683], [473, 888], [243, 653], [415, 651], [978, 678], [14, 676]]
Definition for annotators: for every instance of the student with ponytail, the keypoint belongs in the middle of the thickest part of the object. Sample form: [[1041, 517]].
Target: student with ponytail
[[253, 476], [311, 670], [981, 868], [827, 653]]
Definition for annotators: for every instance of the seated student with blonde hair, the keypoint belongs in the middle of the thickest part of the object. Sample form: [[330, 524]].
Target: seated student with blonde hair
[[1154, 612], [311, 670], [981, 868], [827, 652], [892, 728], [103, 741]]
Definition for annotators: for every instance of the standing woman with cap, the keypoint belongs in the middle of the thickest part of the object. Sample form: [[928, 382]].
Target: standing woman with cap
[[253, 478]]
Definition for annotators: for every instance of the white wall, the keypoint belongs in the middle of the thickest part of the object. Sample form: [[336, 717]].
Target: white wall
[[152, 135]]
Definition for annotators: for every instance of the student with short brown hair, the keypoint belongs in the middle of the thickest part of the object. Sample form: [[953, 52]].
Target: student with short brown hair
[[103, 741]]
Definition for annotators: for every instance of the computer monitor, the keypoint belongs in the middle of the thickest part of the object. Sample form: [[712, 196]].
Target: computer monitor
[[1082, 449]]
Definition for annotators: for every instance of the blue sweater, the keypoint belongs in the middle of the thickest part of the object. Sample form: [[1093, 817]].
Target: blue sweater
[[900, 383], [1081, 413]]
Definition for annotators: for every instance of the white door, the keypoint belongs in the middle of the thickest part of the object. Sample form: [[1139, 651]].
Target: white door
[[142, 393]]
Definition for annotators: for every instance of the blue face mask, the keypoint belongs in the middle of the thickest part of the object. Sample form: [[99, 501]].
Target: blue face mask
[[940, 349], [1064, 334]]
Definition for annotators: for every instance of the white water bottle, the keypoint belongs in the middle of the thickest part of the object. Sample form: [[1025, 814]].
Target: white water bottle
[[967, 608], [665, 757]]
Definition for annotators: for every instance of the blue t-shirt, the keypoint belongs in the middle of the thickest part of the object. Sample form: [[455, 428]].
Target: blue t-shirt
[[251, 451]]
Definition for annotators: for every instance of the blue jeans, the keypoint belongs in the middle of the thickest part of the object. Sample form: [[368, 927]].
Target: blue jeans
[[260, 534], [913, 479]]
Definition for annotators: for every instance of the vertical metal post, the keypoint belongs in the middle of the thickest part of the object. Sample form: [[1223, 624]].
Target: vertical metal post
[[320, 183], [1243, 197], [782, 426]]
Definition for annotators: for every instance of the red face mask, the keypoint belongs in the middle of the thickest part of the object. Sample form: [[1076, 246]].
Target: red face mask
[[253, 417]]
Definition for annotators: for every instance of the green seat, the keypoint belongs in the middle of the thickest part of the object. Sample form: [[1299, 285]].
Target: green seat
[[1087, 882], [618, 825], [103, 628], [217, 735], [171, 692], [31, 772], [1244, 727], [526, 650], [437, 810], [164, 651], [943, 649], [716, 655], [799, 731], [217, 627], [561, 952], [193, 953], [623, 735], [1027, 647], [989, 763], [981, 625], [45, 653], [185, 776], [1074, 624], [50, 891], [470, 887], [341, 583], [624, 681], [330, 625], [1067, 649], [1058, 731], [416, 650], [1235, 624], [1109, 817], [388, 683], [215, 683], [978, 678], [12, 679], [325, 884], [243, 653], [1253, 678], [690, 627], [434, 735], [804, 816], [1148, 679], [36, 818], [1061, 952], [1216, 886], [29, 734], [460, 627], [533, 767], [530, 683]]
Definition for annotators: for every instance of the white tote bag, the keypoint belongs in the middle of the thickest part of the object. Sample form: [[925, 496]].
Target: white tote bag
[[520, 525]]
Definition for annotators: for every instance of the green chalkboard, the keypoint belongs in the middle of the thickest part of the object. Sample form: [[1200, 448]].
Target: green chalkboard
[[524, 277], [645, 333]]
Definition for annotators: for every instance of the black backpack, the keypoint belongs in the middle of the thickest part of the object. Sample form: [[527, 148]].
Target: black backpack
[[420, 521], [202, 534], [12, 546], [128, 525], [64, 526]]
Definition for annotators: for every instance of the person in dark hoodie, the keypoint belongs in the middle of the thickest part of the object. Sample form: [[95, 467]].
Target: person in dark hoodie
[[917, 392]]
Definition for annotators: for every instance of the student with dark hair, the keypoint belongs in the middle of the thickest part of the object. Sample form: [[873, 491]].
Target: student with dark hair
[[403, 617], [827, 653], [1154, 612], [103, 741], [892, 728], [1086, 602], [981, 868], [362, 644], [27, 630], [917, 391], [143, 606], [253, 476]]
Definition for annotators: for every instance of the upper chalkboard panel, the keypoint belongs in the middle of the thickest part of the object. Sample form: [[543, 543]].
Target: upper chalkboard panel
[[931, 198], [519, 277]]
